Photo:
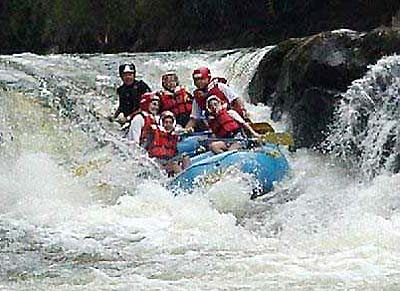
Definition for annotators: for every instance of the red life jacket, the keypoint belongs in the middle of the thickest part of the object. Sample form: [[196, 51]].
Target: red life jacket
[[163, 144], [168, 101], [178, 103], [223, 125], [183, 102], [214, 90]]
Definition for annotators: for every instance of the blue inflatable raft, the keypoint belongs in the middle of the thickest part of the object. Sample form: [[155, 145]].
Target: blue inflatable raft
[[191, 145], [266, 163]]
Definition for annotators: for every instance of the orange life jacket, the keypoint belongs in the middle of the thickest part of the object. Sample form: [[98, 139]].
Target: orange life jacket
[[163, 144], [223, 125]]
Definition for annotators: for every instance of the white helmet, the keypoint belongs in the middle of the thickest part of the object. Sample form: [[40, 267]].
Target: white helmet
[[126, 68], [212, 97], [166, 114]]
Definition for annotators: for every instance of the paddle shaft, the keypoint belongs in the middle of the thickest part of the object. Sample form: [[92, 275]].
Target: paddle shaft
[[282, 138]]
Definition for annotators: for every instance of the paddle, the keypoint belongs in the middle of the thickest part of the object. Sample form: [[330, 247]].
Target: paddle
[[279, 138], [262, 127], [196, 133]]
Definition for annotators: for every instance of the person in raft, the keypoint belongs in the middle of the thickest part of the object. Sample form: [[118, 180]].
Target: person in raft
[[144, 118], [129, 93], [175, 98], [162, 144], [207, 86], [226, 124]]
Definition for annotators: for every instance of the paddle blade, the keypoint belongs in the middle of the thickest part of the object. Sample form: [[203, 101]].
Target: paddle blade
[[262, 127], [280, 138]]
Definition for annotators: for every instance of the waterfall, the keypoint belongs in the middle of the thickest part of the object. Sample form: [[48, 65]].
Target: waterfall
[[365, 131]]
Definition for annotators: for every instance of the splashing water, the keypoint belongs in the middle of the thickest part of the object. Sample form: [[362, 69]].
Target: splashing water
[[366, 130], [80, 211]]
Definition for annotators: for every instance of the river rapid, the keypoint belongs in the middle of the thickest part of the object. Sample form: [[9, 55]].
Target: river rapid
[[82, 211]]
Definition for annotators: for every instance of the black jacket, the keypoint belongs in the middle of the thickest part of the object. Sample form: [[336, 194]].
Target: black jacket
[[129, 97]]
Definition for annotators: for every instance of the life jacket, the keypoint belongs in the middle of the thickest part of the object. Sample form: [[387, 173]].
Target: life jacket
[[168, 101], [223, 125], [178, 103], [183, 102], [214, 90], [163, 144]]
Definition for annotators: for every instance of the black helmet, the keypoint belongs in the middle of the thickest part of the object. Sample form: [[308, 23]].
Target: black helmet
[[126, 68]]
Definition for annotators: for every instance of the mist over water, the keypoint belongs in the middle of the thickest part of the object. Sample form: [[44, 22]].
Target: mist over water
[[81, 211]]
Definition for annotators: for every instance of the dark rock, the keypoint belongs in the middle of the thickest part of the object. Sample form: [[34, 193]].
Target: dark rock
[[304, 77]]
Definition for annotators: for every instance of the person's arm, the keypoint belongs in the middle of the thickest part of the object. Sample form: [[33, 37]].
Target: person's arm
[[250, 129], [194, 116], [135, 130], [118, 109], [235, 115], [190, 125]]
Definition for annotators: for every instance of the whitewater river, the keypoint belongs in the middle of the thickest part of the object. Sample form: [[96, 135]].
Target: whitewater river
[[81, 211]]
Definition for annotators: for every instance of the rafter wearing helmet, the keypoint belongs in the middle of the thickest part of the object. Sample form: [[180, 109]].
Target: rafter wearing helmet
[[129, 92], [162, 144], [175, 98], [144, 118], [207, 86], [225, 123]]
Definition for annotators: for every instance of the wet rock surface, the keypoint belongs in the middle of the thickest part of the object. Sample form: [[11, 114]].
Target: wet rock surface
[[304, 77]]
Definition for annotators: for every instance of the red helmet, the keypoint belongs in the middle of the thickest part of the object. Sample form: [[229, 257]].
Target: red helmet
[[201, 73], [146, 100]]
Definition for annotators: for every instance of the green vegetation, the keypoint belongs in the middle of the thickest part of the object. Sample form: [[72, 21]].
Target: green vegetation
[[114, 25], [66, 26]]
